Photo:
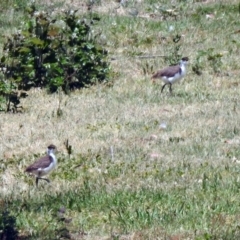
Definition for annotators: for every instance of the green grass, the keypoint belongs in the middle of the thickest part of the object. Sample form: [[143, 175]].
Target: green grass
[[128, 178], [202, 198]]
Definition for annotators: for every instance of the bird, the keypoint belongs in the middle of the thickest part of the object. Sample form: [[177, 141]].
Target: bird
[[44, 165], [172, 74]]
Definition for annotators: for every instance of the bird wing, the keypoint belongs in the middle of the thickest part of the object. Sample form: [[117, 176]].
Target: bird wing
[[168, 72], [40, 163]]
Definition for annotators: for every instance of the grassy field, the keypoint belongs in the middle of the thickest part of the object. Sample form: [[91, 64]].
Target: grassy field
[[128, 177]]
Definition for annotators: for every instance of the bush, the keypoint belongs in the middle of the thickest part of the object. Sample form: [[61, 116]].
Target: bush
[[52, 52]]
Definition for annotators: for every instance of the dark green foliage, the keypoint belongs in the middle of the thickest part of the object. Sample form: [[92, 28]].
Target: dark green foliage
[[9, 97], [7, 226], [53, 52]]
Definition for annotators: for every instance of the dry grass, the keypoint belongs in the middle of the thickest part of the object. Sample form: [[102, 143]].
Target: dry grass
[[201, 137]]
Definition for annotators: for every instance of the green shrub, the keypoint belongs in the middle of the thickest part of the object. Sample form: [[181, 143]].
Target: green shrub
[[53, 52]]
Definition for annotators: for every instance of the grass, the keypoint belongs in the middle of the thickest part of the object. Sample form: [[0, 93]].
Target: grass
[[127, 177]]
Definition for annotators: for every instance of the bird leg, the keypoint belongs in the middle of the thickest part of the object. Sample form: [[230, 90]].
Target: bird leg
[[170, 87], [42, 179], [163, 87]]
